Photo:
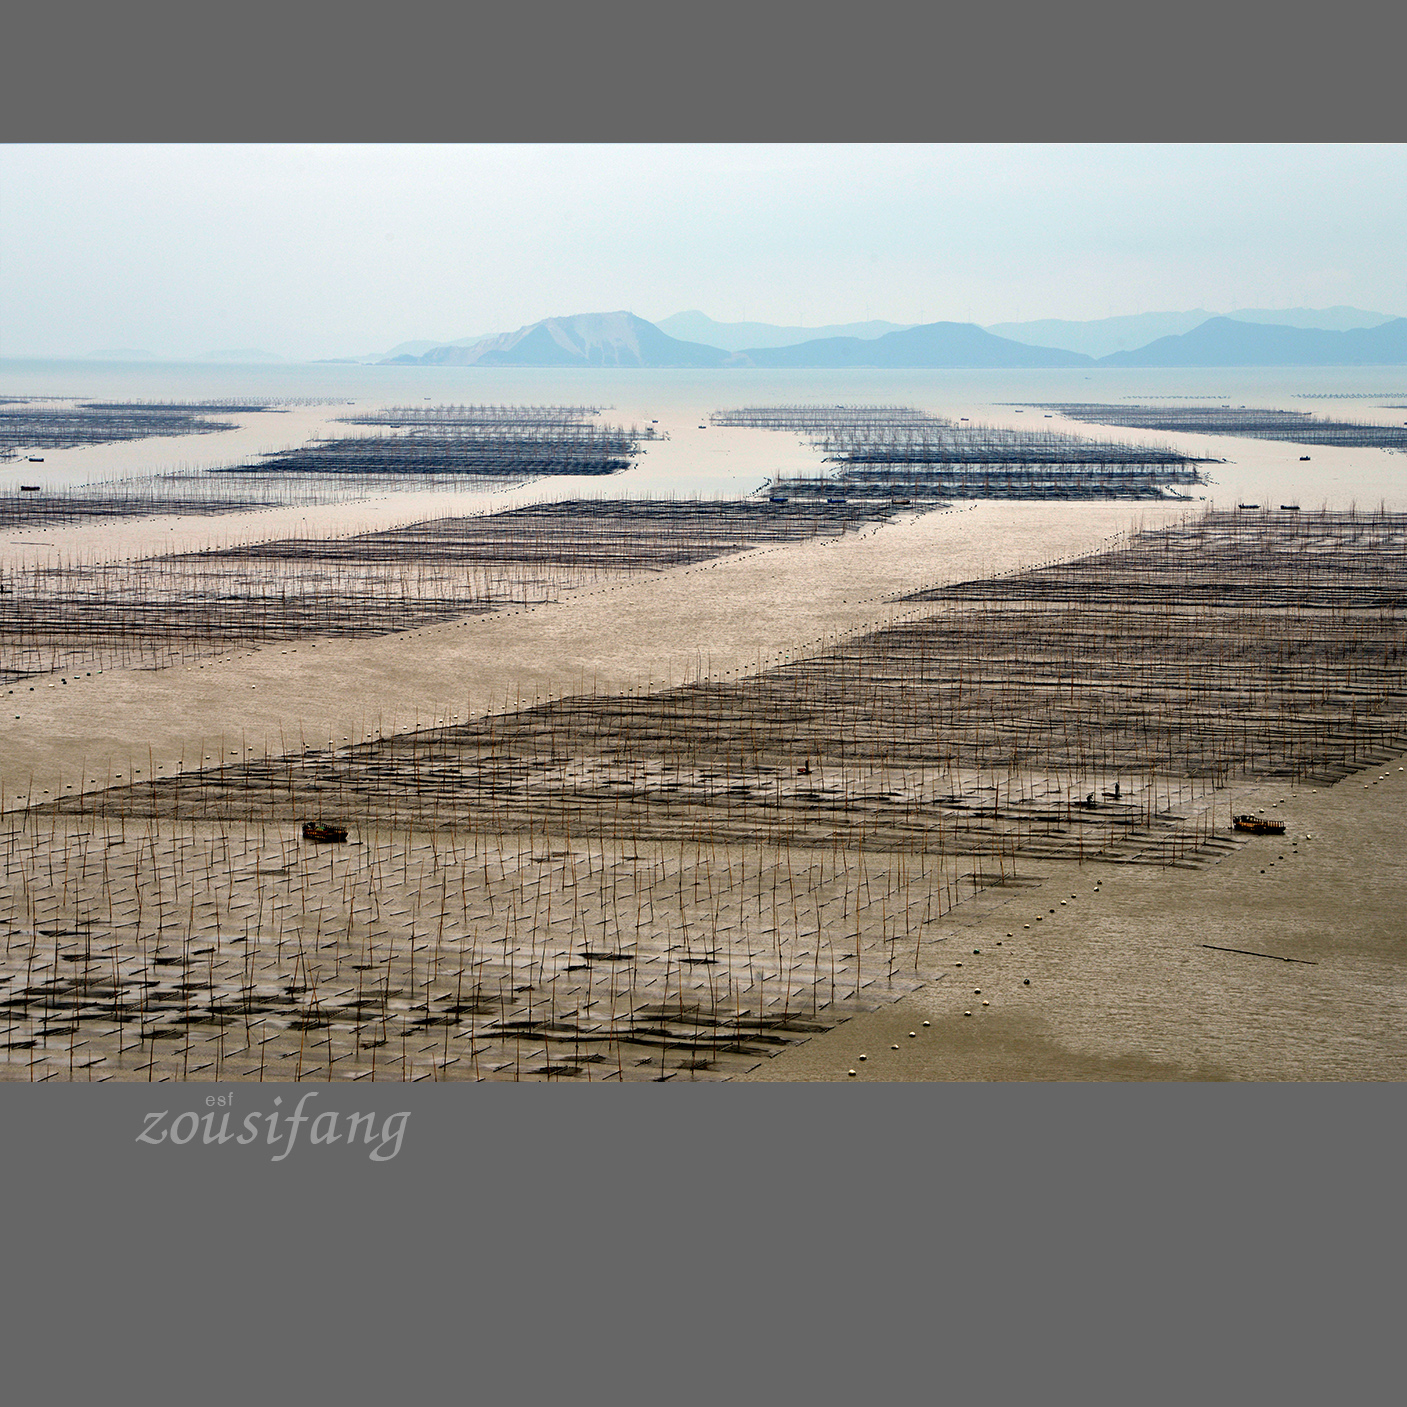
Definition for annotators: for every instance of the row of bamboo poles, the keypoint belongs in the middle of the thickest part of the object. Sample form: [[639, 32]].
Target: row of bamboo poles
[[1296, 426]]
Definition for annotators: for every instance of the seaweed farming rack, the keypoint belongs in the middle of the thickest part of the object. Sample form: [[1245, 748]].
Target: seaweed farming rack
[[882, 451], [1295, 426], [477, 417], [495, 443], [488, 454], [175, 608], [24, 426]]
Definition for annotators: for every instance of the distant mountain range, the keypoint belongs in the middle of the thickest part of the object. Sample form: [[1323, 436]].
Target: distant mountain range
[[622, 339], [693, 339]]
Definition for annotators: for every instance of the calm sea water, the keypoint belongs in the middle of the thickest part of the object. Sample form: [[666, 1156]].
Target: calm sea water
[[705, 390], [679, 400]]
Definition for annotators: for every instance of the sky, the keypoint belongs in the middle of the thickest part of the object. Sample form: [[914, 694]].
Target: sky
[[330, 251]]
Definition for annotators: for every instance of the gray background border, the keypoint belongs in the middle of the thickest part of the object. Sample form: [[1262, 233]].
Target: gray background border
[[1120, 1243]]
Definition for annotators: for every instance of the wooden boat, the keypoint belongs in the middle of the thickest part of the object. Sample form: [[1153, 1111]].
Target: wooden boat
[[319, 830], [1257, 825]]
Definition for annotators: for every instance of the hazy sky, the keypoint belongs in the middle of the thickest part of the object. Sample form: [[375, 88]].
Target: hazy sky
[[323, 251]]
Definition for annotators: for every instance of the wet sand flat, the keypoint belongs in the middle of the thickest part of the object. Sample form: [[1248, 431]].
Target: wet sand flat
[[1122, 986]]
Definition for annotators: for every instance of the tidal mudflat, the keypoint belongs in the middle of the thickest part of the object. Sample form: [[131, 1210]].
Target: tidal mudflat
[[650, 787]]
